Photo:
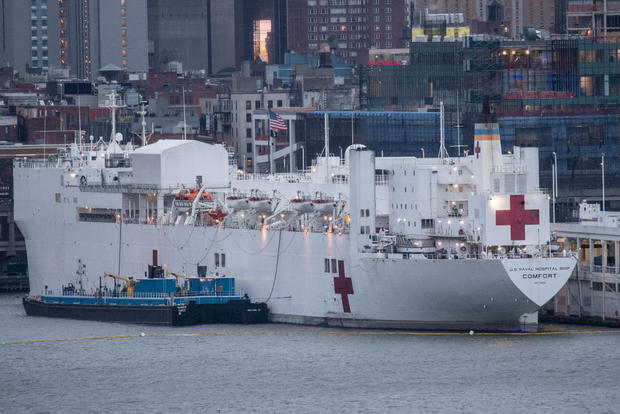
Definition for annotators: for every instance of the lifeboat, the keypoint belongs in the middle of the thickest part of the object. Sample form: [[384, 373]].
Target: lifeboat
[[260, 204], [216, 214], [302, 205], [237, 202], [323, 205], [190, 195]]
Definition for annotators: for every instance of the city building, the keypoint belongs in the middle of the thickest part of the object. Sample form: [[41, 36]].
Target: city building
[[347, 28], [78, 35], [597, 19], [517, 14], [562, 96], [244, 130], [30, 34]]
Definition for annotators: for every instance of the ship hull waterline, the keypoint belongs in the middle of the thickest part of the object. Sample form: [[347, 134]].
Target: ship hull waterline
[[287, 269]]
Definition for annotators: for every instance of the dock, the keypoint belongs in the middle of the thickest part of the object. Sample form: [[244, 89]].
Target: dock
[[14, 283]]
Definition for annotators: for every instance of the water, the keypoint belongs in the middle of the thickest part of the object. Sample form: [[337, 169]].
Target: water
[[282, 368]]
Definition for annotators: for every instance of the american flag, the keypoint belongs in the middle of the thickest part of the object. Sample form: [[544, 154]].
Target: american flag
[[276, 122]]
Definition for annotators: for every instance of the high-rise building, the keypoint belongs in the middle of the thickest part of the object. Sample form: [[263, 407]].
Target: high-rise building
[[79, 35], [29, 35], [347, 28], [179, 33], [216, 34], [120, 28]]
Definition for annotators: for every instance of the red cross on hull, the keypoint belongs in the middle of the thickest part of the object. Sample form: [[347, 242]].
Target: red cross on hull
[[517, 217], [343, 286]]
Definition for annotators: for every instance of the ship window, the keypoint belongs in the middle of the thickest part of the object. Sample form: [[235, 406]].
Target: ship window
[[610, 287], [223, 259], [460, 172], [334, 266], [405, 189], [362, 212], [74, 200], [326, 269], [58, 197], [367, 229], [427, 223], [217, 259], [367, 213], [598, 286], [362, 230]]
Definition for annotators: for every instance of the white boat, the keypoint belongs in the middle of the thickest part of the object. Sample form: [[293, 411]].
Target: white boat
[[438, 243]]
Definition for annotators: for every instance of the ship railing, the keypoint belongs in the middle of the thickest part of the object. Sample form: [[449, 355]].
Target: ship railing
[[299, 177], [514, 169], [35, 164], [599, 269]]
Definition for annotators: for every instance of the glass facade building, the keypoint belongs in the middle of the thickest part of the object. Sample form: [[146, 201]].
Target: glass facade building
[[386, 133]]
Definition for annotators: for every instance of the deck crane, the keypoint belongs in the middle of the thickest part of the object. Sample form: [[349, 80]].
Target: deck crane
[[179, 276], [129, 282]]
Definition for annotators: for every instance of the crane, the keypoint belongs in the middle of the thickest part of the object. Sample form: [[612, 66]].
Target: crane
[[129, 282], [179, 276]]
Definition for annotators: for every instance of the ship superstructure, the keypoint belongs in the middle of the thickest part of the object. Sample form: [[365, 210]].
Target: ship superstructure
[[459, 243]]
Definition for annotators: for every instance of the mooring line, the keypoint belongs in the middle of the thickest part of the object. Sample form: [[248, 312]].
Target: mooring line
[[286, 333]]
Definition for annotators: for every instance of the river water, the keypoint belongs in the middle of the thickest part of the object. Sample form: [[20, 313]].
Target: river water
[[290, 369]]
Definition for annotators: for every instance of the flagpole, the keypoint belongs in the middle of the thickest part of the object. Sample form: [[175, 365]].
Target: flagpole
[[270, 142]]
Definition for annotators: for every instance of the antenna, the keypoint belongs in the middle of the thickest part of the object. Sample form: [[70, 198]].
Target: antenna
[[113, 104], [458, 127], [79, 120], [184, 118], [443, 152], [142, 114], [326, 147]]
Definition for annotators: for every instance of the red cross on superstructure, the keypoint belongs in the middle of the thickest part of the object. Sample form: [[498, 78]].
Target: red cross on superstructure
[[517, 217], [343, 286], [477, 149]]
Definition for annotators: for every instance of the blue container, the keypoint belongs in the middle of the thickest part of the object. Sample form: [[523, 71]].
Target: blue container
[[164, 286]]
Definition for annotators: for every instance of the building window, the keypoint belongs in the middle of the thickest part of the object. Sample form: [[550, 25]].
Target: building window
[[248, 132], [248, 117], [269, 104], [257, 104], [248, 105]]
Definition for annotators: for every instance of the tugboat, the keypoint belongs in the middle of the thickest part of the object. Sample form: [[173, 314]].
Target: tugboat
[[154, 300]]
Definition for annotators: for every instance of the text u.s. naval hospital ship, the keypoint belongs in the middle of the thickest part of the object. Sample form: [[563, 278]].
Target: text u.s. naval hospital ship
[[405, 242]]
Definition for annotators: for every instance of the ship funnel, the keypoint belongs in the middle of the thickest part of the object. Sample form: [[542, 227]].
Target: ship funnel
[[487, 153]]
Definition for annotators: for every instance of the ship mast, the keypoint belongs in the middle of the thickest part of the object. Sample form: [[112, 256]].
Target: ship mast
[[113, 104], [443, 152], [142, 115], [326, 147]]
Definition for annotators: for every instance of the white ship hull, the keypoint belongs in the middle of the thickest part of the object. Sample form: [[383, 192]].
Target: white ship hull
[[388, 292], [310, 267]]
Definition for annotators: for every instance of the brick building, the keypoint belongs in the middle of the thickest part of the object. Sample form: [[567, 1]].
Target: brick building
[[347, 27]]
